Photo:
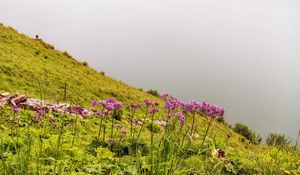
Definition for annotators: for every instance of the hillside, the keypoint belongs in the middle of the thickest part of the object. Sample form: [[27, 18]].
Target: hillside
[[30, 66], [165, 138]]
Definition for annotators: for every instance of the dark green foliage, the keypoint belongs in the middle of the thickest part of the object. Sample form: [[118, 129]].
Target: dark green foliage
[[247, 133], [67, 54], [153, 92], [139, 146], [85, 63], [117, 115], [153, 128], [220, 119], [277, 139]]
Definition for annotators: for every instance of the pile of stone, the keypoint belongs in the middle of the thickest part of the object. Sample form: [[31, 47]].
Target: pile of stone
[[23, 101]]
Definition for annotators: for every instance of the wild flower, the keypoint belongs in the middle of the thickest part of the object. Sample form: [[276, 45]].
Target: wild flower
[[192, 106], [181, 118], [94, 103], [212, 110], [148, 102], [41, 112], [135, 122], [124, 131], [78, 110], [119, 126], [117, 105], [15, 109], [109, 107], [99, 114], [37, 117], [172, 103], [153, 110], [102, 103], [51, 119], [110, 100], [135, 106], [164, 96]]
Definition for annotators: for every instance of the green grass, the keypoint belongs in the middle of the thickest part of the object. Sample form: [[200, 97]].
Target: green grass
[[26, 63], [33, 67]]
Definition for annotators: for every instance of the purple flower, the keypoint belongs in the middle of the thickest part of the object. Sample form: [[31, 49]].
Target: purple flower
[[99, 114], [135, 122], [41, 112], [15, 109], [124, 131], [117, 105], [181, 118], [153, 110], [110, 140], [37, 117], [102, 103], [109, 107], [51, 119], [119, 126], [164, 96], [212, 110], [135, 106], [94, 103], [148, 102], [192, 106], [78, 109], [110, 100], [171, 103]]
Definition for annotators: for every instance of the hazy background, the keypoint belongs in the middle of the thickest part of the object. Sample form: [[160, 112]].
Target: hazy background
[[243, 55]]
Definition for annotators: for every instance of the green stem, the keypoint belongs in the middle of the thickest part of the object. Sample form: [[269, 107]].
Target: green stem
[[131, 126], [193, 123], [74, 131], [112, 132], [104, 128], [144, 120], [206, 132], [98, 137], [152, 147]]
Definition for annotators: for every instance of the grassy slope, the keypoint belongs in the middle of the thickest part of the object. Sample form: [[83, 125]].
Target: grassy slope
[[21, 66], [25, 62]]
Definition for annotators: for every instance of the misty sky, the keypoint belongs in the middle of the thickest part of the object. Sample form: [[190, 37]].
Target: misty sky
[[243, 55]]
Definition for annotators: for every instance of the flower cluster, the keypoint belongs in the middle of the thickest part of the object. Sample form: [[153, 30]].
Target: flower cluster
[[192, 106], [40, 113], [109, 105], [205, 108], [122, 130], [171, 102], [212, 110], [135, 106], [153, 110], [78, 110]]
